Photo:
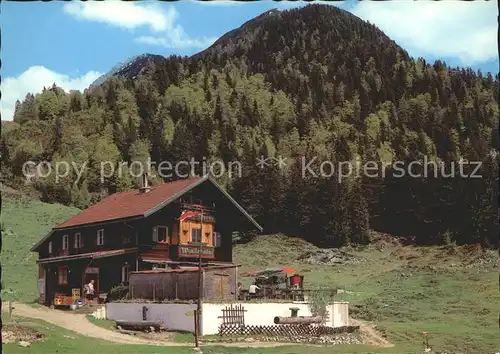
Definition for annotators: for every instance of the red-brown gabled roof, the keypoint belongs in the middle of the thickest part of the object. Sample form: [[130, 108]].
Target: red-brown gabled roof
[[134, 204], [128, 204]]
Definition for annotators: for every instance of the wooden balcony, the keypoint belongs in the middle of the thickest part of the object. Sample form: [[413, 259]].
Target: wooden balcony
[[197, 207], [207, 219], [60, 253]]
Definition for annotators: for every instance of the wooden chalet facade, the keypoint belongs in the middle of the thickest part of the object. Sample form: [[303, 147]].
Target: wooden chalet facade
[[159, 227]]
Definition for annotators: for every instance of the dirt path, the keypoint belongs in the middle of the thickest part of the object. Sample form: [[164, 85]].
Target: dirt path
[[370, 335], [79, 324]]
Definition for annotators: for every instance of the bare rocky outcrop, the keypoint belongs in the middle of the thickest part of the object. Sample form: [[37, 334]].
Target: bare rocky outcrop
[[331, 256]]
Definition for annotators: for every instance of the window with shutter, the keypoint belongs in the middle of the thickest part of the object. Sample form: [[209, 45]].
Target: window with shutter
[[63, 275], [162, 234], [65, 242], [78, 240], [217, 239], [196, 235], [100, 237]]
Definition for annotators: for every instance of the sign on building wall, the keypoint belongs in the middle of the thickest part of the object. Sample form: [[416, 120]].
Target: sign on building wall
[[92, 270], [194, 251]]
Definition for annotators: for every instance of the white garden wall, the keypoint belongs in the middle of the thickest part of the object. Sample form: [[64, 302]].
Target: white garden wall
[[264, 313], [339, 314], [173, 316], [178, 317]]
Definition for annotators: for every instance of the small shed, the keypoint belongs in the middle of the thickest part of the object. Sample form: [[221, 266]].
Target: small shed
[[218, 283]]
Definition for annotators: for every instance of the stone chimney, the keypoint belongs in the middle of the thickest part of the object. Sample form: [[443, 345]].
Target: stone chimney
[[145, 187]]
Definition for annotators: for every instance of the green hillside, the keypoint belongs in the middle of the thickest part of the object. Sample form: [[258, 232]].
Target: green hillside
[[24, 222]]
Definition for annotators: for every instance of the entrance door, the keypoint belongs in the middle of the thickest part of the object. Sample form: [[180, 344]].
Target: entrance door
[[92, 274], [222, 285], [50, 284]]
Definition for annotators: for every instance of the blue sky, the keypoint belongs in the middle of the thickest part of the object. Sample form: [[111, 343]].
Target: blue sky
[[72, 43]]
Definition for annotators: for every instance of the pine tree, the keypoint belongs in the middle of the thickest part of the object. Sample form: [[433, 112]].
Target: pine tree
[[359, 215], [57, 135], [123, 180]]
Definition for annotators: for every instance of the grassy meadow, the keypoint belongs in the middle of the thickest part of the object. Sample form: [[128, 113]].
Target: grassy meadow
[[24, 222], [451, 292]]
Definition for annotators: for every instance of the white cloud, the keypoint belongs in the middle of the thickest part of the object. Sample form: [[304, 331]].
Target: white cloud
[[33, 80], [218, 2], [445, 29], [129, 15], [178, 40]]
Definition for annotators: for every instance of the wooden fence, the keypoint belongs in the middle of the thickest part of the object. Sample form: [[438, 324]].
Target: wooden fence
[[160, 286], [218, 283], [233, 315], [283, 330]]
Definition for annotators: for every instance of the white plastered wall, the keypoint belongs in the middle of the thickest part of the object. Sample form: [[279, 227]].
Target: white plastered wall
[[263, 314], [179, 317]]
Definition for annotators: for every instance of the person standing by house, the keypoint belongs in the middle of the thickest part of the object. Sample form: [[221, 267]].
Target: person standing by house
[[238, 291], [252, 290], [89, 291]]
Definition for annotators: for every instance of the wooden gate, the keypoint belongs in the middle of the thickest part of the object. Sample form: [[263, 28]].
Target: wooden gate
[[233, 315]]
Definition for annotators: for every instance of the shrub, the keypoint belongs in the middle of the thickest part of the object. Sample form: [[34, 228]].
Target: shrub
[[118, 292], [318, 300], [447, 238]]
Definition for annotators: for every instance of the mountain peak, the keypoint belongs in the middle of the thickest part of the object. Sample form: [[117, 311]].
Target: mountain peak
[[130, 68], [280, 31], [317, 25]]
